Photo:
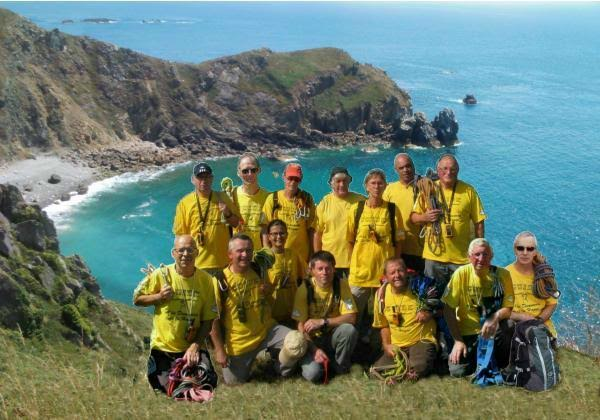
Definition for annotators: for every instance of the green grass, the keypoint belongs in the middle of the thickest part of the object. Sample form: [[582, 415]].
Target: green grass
[[50, 378], [332, 99]]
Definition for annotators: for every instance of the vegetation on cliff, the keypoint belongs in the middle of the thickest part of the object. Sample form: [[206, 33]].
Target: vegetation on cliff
[[63, 91]]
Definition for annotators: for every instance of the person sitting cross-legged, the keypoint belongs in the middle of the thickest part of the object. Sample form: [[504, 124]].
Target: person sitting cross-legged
[[403, 323], [326, 313]]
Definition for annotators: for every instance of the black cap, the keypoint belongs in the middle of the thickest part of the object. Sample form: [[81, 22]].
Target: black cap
[[202, 168], [339, 170]]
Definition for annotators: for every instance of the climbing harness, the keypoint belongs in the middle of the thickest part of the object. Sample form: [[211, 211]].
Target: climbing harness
[[189, 383]]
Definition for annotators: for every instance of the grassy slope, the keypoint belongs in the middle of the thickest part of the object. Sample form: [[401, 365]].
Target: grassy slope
[[59, 379]]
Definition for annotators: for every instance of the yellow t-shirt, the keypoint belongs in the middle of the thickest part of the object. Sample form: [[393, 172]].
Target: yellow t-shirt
[[368, 255], [403, 196], [193, 300], [213, 254], [525, 301], [465, 291], [243, 292], [323, 305], [332, 212], [283, 276], [250, 208], [466, 208], [299, 218], [409, 332]]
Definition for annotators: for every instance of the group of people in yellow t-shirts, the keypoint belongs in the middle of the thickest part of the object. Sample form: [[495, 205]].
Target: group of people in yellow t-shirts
[[329, 275]]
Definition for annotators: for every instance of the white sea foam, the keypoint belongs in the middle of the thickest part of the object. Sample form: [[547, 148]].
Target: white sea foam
[[60, 211], [147, 213]]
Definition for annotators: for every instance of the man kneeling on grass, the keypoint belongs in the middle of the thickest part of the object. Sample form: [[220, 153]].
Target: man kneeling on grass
[[326, 313], [403, 323], [184, 307], [245, 326], [478, 296]]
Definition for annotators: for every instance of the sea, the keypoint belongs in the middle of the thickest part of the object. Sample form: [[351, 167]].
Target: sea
[[530, 146]]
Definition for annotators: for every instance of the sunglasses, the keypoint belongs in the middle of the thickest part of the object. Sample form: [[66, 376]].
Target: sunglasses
[[247, 171], [183, 251], [523, 248]]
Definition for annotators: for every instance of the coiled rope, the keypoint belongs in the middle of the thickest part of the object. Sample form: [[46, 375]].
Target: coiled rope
[[544, 283]]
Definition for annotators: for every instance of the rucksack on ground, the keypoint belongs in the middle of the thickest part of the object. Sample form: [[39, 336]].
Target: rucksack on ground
[[532, 362]]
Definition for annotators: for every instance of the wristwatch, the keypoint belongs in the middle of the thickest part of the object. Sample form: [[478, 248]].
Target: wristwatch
[[325, 322]]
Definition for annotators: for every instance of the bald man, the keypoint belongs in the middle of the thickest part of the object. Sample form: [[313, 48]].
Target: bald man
[[403, 193], [184, 307]]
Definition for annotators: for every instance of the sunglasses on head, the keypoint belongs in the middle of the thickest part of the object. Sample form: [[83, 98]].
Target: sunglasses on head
[[247, 171], [521, 248]]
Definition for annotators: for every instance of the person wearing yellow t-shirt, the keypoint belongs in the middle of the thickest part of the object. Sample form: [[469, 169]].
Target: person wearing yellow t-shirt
[[326, 313], [330, 234], [475, 291], [403, 193], [528, 304], [296, 208], [249, 198], [457, 207], [285, 275], [184, 307], [204, 214], [402, 323], [246, 326], [372, 240]]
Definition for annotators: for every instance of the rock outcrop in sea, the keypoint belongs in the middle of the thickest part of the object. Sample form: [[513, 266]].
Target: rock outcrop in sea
[[59, 91]]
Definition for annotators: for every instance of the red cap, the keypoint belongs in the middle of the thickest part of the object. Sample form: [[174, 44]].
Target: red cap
[[293, 169]]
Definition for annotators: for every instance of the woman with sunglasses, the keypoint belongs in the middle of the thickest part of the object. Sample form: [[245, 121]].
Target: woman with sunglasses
[[285, 275], [528, 265]]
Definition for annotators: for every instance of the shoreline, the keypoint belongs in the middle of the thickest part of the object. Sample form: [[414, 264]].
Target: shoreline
[[79, 170]]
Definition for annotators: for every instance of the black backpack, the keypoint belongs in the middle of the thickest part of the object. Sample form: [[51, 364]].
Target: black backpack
[[532, 362]]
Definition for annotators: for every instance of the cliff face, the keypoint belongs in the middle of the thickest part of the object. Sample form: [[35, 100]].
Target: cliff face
[[43, 293], [58, 90]]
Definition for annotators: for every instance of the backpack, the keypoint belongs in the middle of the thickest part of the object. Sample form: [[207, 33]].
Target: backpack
[[532, 362], [391, 212], [305, 196]]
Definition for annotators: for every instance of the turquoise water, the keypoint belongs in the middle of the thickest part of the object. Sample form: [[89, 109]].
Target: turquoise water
[[531, 145]]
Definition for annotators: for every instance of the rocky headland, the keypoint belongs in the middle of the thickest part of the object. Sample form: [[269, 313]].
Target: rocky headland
[[115, 109], [46, 294]]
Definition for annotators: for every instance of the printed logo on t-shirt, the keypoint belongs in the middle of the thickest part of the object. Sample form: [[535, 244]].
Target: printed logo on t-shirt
[[348, 303]]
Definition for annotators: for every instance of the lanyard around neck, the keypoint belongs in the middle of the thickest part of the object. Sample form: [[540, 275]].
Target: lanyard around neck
[[446, 207], [203, 219]]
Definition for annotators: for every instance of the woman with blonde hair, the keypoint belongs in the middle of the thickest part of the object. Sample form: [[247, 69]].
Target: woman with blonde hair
[[536, 293]]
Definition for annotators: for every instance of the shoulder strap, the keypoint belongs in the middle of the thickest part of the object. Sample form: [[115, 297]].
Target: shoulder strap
[[359, 212], [336, 289], [380, 295], [222, 285], [392, 213], [276, 204], [310, 291]]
